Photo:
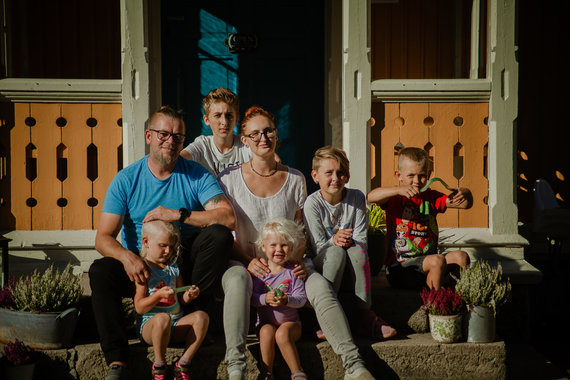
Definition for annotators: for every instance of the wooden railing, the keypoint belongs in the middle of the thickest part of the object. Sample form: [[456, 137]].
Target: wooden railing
[[455, 136], [58, 160]]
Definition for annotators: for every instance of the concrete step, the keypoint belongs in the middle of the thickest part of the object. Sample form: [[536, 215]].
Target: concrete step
[[414, 356]]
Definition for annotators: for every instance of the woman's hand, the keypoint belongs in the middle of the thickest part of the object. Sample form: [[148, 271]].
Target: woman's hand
[[258, 267], [299, 270], [343, 238]]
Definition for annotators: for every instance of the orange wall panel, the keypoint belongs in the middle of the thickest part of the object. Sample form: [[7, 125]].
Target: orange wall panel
[[46, 189], [76, 136]]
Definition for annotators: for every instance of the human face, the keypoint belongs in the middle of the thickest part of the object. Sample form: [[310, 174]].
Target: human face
[[276, 249], [266, 144], [165, 152], [221, 118], [331, 179], [161, 245], [412, 173]]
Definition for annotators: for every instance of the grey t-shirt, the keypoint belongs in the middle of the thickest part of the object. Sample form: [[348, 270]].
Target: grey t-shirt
[[205, 152], [323, 220], [253, 212]]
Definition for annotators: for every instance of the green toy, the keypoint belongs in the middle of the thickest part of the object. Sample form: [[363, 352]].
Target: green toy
[[183, 288], [428, 184]]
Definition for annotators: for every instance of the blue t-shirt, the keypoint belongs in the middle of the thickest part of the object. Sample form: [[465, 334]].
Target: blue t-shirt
[[135, 191]]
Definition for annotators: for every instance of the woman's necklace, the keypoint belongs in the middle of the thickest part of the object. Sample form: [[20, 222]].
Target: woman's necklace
[[263, 175]]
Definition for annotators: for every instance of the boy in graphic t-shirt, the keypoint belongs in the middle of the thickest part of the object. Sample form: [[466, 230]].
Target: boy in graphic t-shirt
[[412, 256]]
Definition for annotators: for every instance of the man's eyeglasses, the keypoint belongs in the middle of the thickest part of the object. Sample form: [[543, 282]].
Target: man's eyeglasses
[[268, 132], [177, 138]]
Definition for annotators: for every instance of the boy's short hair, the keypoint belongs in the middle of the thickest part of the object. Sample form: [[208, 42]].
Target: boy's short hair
[[220, 95], [414, 154], [151, 228], [332, 153], [289, 230]]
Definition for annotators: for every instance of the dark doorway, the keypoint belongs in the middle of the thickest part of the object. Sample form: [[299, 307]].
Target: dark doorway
[[284, 73]]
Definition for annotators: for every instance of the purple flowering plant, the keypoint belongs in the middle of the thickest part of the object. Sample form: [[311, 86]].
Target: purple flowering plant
[[17, 353], [442, 301], [7, 294]]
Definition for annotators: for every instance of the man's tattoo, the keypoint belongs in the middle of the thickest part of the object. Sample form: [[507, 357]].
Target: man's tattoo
[[213, 202]]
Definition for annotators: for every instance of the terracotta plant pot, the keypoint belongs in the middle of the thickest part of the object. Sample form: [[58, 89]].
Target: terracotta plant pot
[[445, 328]]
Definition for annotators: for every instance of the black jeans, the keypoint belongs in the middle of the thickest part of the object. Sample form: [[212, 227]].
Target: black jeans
[[204, 260]]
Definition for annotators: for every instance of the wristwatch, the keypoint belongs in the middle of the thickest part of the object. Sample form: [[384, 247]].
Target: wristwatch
[[184, 213]]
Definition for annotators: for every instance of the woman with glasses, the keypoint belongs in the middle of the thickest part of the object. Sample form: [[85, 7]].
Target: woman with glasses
[[262, 190]]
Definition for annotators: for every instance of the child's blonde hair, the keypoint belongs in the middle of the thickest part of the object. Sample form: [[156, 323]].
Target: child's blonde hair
[[332, 153], [220, 95], [151, 228], [289, 231], [414, 154]]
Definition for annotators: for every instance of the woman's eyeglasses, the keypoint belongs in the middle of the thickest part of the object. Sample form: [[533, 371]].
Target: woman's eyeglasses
[[269, 133], [177, 138]]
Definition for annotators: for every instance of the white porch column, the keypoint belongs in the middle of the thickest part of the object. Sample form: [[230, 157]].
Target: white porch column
[[502, 69], [356, 95], [135, 73]]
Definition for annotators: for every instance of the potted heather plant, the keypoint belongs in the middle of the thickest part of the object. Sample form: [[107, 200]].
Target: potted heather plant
[[376, 237], [41, 310], [18, 361], [445, 308], [484, 289]]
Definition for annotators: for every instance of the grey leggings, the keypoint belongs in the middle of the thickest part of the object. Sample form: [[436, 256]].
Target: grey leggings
[[332, 264]]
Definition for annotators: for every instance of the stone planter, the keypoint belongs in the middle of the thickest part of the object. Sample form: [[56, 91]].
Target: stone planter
[[376, 251], [21, 372], [39, 330], [480, 321], [445, 328]]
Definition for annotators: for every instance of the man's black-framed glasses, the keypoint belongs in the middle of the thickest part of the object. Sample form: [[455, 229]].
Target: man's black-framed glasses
[[177, 138], [268, 132]]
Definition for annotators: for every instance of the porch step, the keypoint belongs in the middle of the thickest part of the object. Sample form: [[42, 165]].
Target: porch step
[[411, 356]]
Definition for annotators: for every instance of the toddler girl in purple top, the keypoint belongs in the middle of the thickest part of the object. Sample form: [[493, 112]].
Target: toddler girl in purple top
[[278, 295]]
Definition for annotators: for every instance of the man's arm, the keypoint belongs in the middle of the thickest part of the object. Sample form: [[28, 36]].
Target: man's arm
[[217, 210], [107, 245]]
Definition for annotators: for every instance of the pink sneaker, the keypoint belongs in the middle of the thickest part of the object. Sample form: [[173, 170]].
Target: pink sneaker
[[158, 373], [181, 372]]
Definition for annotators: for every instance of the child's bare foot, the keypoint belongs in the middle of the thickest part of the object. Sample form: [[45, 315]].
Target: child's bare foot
[[375, 327]]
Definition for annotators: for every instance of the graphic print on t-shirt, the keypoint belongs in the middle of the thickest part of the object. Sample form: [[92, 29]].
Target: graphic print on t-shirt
[[416, 231]]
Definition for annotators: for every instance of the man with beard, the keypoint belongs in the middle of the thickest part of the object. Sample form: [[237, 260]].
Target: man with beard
[[160, 186]]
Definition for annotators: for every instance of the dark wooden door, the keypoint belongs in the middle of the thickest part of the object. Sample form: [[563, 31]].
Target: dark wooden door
[[284, 73]]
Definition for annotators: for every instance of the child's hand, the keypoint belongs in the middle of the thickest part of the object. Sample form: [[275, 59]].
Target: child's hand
[[460, 198], [408, 191], [343, 238], [274, 301], [164, 292], [191, 294]]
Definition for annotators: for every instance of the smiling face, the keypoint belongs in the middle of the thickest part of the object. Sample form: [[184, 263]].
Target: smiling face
[[412, 172], [331, 178], [221, 118], [276, 248], [160, 246], [265, 145], [165, 152]]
